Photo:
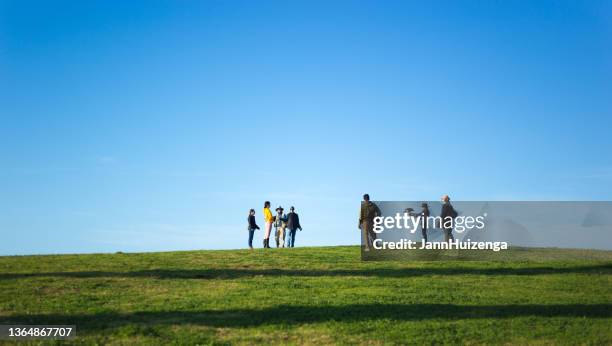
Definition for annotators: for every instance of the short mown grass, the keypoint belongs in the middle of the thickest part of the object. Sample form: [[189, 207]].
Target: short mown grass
[[313, 296]]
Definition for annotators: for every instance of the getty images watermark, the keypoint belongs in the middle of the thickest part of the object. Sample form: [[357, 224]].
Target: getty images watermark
[[432, 229], [410, 222]]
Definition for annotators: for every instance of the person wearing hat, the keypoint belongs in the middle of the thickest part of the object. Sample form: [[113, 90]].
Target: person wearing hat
[[293, 224], [279, 225]]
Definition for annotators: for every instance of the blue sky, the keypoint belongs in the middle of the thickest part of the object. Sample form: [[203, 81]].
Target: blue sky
[[149, 126]]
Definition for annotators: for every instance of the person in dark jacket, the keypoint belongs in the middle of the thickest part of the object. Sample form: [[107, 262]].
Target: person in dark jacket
[[293, 224], [252, 227], [369, 211], [424, 216], [448, 215]]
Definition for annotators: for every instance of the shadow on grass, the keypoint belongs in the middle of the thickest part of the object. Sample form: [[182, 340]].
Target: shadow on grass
[[291, 315], [231, 273]]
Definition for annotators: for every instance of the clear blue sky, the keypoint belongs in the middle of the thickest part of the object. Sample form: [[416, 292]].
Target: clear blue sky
[[146, 126]]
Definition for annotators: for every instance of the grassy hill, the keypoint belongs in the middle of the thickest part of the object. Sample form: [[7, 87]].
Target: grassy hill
[[313, 296]]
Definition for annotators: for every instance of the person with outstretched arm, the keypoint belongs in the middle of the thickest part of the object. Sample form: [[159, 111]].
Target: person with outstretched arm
[[424, 216], [293, 224]]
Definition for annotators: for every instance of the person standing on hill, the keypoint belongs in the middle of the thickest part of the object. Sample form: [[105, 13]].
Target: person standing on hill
[[252, 227], [293, 224], [279, 225], [448, 215], [369, 211], [269, 219], [424, 217]]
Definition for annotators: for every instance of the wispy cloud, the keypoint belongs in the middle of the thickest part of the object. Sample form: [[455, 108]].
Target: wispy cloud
[[106, 160]]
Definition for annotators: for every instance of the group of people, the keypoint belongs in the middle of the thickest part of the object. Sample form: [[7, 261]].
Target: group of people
[[285, 225], [369, 210]]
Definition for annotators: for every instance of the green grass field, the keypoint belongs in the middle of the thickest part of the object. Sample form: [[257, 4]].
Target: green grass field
[[313, 296]]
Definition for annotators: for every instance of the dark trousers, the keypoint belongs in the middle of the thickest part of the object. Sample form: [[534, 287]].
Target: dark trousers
[[290, 237], [424, 233], [448, 234], [251, 233]]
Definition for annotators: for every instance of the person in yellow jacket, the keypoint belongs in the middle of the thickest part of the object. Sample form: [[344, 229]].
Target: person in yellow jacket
[[269, 219]]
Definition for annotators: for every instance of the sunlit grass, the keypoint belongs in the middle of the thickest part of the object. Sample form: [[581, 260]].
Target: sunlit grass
[[313, 296]]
